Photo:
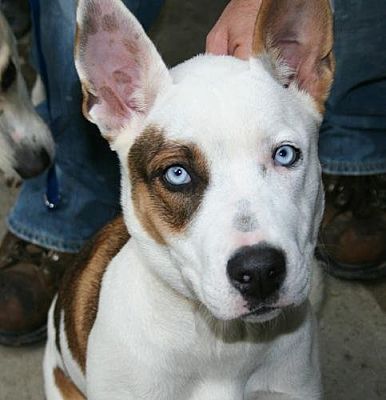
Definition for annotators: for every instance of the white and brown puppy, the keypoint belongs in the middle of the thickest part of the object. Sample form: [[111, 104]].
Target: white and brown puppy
[[26, 145], [222, 196]]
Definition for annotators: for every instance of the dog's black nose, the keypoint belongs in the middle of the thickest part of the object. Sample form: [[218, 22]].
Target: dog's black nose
[[31, 163], [257, 271]]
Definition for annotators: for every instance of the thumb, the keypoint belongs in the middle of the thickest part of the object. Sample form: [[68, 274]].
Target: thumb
[[217, 42], [242, 50]]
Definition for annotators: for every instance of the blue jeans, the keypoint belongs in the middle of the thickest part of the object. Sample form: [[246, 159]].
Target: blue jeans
[[353, 136]]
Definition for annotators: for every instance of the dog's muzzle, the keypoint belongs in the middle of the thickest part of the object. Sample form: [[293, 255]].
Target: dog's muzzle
[[30, 163], [257, 272]]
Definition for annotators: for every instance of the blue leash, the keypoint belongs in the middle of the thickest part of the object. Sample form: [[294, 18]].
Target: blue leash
[[52, 194]]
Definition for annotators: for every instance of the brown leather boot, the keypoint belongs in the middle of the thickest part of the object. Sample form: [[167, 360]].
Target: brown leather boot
[[29, 278], [353, 232]]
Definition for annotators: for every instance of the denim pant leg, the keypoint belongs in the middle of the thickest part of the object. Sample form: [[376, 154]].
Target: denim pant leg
[[353, 135], [88, 171]]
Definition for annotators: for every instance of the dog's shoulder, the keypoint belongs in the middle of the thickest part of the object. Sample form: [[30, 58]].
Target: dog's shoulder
[[78, 295]]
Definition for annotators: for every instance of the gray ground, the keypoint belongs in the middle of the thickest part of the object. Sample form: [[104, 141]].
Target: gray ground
[[353, 322]]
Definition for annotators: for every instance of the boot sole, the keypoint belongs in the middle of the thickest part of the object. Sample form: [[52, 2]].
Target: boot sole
[[365, 272], [23, 339]]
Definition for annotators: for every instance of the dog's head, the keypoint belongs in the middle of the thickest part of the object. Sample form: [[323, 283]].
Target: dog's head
[[220, 172], [26, 145]]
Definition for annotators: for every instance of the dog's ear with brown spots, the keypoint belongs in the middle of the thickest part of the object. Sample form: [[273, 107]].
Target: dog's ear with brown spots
[[120, 70], [297, 35]]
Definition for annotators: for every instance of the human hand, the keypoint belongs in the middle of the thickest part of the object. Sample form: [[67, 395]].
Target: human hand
[[233, 32]]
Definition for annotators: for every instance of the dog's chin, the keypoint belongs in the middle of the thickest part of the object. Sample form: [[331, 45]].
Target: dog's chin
[[257, 315], [262, 314]]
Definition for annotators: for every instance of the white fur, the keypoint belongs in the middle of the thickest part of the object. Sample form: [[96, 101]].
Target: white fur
[[187, 353], [170, 325], [51, 357], [38, 94]]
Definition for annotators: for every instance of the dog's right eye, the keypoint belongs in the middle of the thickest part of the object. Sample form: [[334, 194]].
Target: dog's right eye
[[9, 76], [177, 176], [286, 155]]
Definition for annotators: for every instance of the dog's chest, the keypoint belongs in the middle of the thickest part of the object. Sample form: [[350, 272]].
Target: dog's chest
[[171, 345], [177, 364]]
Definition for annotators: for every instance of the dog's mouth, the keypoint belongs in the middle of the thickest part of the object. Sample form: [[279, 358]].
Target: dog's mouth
[[261, 310]]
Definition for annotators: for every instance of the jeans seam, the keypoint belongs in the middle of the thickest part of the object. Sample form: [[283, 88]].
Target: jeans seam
[[40, 239], [353, 168]]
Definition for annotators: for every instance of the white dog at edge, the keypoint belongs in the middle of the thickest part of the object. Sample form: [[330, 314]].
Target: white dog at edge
[[222, 196], [26, 145]]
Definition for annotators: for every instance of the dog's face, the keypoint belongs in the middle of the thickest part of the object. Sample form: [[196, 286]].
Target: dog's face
[[219, 156], [26, 145]]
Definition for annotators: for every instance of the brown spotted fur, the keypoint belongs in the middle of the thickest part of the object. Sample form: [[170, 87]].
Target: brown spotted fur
[[67, 389], [79, 293]]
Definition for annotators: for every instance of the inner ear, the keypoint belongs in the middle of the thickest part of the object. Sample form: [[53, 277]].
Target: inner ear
[[297, 35], [120, 70]]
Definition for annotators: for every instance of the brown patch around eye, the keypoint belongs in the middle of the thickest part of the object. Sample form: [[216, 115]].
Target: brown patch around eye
[[163, 209]]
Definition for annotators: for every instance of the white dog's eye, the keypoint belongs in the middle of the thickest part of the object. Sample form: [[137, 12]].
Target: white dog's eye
[[177, 176], [286, 155]]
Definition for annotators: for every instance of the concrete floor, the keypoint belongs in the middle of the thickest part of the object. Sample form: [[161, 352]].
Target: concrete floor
[[353, 320]]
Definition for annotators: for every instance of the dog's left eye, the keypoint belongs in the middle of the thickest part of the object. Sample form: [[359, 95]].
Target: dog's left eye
[[177, 176], [286, 155]]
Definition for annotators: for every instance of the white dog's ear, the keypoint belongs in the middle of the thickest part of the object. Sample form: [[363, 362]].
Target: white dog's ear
[[298, 37], [120, 70]]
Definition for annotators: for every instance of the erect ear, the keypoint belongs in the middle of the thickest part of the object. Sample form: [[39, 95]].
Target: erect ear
[[298, 37], [120, 70]]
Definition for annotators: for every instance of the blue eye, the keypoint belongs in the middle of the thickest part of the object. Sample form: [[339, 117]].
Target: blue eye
[[177, 176], [286, 155]]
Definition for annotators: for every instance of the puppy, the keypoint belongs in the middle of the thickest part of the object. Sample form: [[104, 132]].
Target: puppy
[[222, 196]]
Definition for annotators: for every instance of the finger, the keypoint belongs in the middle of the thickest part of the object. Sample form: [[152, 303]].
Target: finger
[[217, 43], [242, 50]]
